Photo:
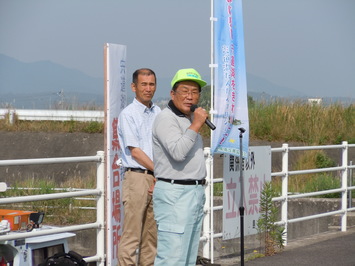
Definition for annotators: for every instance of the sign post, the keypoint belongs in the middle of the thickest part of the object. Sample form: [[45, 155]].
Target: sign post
[[241, 203]]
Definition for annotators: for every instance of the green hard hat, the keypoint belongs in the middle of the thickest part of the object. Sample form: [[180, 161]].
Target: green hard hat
[[188, 74]]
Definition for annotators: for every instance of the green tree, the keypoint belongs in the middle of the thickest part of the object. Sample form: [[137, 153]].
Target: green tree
[[270, 233]]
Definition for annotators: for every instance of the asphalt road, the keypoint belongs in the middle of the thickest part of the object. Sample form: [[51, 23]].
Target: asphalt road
[[331, 248]]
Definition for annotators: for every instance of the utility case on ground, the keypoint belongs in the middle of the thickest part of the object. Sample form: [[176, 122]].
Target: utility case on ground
[[17, 219]]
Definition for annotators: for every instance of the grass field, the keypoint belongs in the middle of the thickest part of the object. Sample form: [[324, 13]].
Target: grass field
[[276, 121]]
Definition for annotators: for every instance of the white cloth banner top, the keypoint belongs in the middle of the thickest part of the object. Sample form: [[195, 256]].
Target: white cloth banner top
[[115, 101], [230, 93]]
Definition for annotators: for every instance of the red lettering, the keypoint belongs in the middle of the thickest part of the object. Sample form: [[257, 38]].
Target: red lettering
[[115, 141], [116, 238], [116, 172], [231, 190], [116, 179], [253, 195], [116, 205]]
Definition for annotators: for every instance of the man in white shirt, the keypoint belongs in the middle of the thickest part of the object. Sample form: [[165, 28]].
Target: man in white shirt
[[135, 137]]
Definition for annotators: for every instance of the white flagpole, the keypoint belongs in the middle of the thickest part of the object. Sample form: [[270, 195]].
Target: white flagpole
[[212, 69], [212, 66]]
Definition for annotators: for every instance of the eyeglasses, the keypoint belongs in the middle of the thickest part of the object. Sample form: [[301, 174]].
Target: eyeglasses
[[184, 93]]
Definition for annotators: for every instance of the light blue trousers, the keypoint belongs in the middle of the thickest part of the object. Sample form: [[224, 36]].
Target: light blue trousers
[[178, 211]]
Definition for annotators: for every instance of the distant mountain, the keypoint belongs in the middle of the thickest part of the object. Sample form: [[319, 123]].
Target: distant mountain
[[263, 90], [44, 84], [20, 77], [259, 85]]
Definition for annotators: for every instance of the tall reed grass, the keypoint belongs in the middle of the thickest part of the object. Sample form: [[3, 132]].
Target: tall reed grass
[[277, 121], [302, 122]]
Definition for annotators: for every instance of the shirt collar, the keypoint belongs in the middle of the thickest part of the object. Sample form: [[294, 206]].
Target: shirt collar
[[176, 111], [142, 107]]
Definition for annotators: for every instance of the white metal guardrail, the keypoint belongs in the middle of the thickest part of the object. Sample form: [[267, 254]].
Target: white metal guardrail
[[70, 189], [208, 235], [344, 169], [53, 115], [345, 189], [99, 192]]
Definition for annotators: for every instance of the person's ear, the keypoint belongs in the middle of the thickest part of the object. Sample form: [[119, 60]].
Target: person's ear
[[133, 87]]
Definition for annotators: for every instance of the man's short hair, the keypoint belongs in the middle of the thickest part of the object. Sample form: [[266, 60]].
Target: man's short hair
[[142, 71]]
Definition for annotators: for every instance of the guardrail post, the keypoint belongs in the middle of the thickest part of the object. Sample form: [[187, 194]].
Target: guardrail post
[[350, 184], [3, 186], [344, 185], [284, 190], [206, 227], [11, 116], [100, 210]]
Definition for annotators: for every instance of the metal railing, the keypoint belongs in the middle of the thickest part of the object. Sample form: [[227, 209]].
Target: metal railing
[[344, 170], [99, 192], [53, 115], [63, 189], [208, 234]]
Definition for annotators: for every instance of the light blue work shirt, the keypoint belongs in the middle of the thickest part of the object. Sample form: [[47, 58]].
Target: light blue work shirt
[[135, 130]]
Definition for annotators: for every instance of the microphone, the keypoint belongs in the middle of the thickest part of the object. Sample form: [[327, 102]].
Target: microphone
[[208, 122]]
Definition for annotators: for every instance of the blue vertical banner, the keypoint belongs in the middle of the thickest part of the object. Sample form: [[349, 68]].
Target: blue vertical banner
[[230, 88]]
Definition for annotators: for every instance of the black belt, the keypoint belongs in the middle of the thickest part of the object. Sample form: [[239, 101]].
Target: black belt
[[139, 170], [184, 182]]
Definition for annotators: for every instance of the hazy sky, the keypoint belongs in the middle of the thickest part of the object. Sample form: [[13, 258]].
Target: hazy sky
[[305, 45]]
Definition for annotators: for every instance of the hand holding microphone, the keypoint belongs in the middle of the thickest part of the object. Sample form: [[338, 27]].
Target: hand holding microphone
[[207, 121]]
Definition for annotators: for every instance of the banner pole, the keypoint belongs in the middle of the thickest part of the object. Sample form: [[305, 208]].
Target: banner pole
[[241, 203], [212, 66], [211, 229]]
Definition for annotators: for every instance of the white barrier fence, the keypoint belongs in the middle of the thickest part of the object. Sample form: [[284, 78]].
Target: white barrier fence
[[345, 190], [208, 233], [53, 115], [99, 192]]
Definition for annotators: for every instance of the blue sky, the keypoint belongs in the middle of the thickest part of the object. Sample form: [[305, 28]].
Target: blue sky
[[305, 45]]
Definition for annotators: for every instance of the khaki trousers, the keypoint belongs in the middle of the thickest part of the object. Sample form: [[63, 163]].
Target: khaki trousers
[[139, 227]]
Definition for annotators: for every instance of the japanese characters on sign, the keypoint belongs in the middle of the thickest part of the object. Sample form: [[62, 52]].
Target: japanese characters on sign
[[229, 88], [115, 102], [256, 171], [116, 191]]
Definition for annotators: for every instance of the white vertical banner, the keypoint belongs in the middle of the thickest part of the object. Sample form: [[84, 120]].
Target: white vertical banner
[[230, 88], [115, 101], [257, 171]]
